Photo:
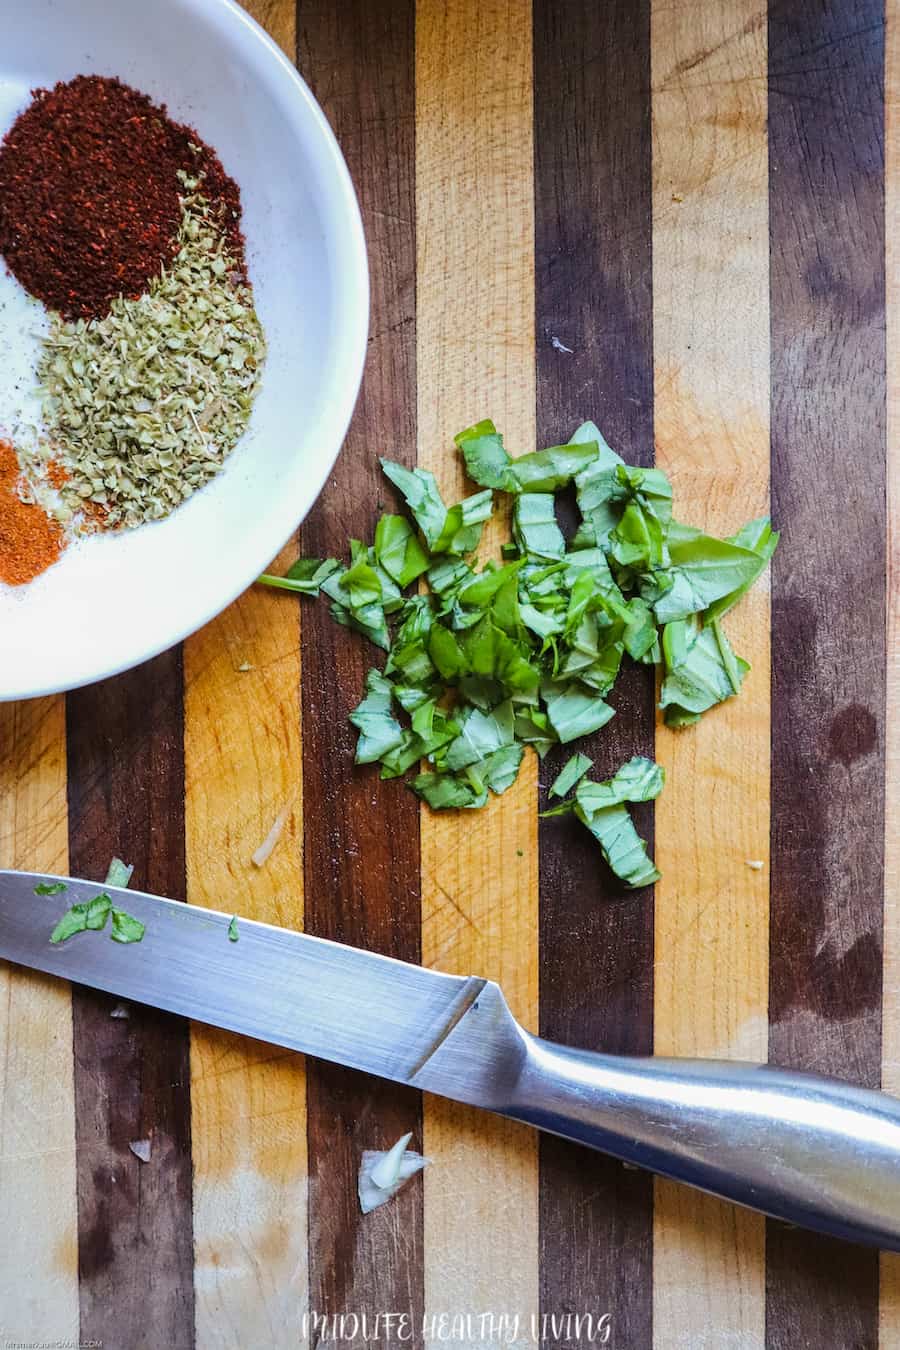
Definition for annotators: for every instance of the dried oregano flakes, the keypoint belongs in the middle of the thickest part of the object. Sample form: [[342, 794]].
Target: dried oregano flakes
[[143, 406]]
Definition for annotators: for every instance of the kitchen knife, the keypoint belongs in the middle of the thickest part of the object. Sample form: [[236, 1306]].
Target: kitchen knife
[[810, 1150]]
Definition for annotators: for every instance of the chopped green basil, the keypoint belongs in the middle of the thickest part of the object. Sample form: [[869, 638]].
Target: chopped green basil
[[487, 660], [50, 888], [233, 929]]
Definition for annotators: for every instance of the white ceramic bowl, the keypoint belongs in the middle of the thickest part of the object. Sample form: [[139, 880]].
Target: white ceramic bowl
[[116, 600]]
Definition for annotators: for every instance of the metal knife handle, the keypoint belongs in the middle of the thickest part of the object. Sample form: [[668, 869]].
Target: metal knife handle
[[812, 1151]]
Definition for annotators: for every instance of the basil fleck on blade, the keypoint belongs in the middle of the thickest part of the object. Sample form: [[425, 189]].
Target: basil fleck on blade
[[89, 914], [125, 927], [488, 660], [50, 888], [233, 934]]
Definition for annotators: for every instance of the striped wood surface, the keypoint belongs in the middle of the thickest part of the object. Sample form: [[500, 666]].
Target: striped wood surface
[[670, 217]]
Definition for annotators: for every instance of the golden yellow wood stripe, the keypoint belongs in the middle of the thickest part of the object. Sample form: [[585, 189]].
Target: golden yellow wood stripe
[[475, 343], [890, 1265], [38, 1213], [711, 358], [248, 1101]]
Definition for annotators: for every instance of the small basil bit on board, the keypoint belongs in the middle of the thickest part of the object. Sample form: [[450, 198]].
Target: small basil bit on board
[[570, 774], [119, 873], [485, 661]]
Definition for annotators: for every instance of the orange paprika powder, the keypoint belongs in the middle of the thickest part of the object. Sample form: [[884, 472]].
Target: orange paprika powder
[[29, 540]]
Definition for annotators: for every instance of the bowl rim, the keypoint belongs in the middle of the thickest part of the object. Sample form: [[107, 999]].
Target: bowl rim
[[348, 368]]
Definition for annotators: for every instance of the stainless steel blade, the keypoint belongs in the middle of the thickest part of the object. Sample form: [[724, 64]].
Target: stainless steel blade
[[328, 1000]]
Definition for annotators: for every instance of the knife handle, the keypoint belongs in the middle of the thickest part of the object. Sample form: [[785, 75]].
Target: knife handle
[[810, 1150]]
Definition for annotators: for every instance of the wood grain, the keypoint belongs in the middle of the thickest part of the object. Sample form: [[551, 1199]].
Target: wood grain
[[279, 18], [889, 1338], [38, 1213], [126, 798], [711, 348], [475, 271], [243, 767], [828, 605], [360, 835], [595, 359]]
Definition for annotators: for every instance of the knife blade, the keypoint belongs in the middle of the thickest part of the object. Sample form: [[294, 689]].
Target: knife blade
[[811, 1150]]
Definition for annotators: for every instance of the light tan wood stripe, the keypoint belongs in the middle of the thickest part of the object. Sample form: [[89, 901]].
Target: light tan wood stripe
[[475, 279], [711, 359], [243, 767], [38, 1208], [890, 1265]]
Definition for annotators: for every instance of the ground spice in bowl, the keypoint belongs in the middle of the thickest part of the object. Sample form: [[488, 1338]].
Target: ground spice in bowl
[[30, 541], [125, 224], [89, 194]]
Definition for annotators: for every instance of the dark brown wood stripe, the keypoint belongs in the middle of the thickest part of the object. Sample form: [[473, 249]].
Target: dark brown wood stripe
[[126, 798], [828, 610], [593, 296], [361, 836]]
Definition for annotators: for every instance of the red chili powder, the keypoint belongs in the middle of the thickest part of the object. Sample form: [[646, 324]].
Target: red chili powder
[[89, 204], [29, 540]]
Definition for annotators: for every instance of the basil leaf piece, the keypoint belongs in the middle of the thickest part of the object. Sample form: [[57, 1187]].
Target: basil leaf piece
[[371, 623], [457, 530], [379, 730], [552, 469], [701, 670], [622, 847], [125, 927], [72, 922], [761, 539], [639, 780], [480, 734], [533, 728], [89, 914], [704, 569], [535, 528], [572, 711], [570, 774], [50, 887], [305, 576], [462, 526], [487, 463], [233, 934], [419, 487], [501, 769], [488, 651], [446, 792], [398, 550], [119, 873]]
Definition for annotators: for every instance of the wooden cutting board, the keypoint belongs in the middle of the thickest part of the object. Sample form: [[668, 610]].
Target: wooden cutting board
[[670, 217]]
